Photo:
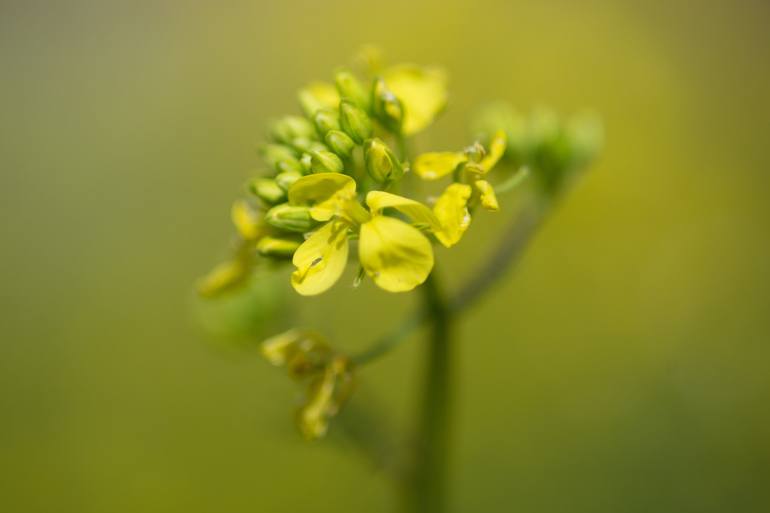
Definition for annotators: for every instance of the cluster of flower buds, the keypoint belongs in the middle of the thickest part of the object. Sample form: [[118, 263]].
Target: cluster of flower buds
[[328, 376], [541, 141], [330, 173]]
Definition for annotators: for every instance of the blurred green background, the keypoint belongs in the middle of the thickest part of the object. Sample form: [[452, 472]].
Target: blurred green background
[[623, 368]]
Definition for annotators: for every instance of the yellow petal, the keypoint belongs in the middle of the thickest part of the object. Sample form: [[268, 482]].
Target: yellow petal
[[327, 194], [432, 166], [422, 92], [487, 195], [496, 151], [302, 352], [451, 209], [326, 396], [246, 219], [278, 349], [317, 96], [419, 213], [321, 259], [397, 256], [223, 277]]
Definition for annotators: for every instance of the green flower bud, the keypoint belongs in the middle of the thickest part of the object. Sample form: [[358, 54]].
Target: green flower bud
[[307, 163], [290, 218], [308, 145], [381, 163], [355, 122], [326, 162], [326, 120], [386, 107], [286, 129], [289, 166], [275, 153], [340, 143], [285, 179], [351, 89], [267, 190], [277, 247]]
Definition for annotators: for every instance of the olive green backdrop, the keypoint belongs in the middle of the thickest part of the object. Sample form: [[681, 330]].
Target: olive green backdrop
[[623, 368]]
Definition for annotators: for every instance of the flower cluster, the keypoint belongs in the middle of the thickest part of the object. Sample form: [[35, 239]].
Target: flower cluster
[[329, 181], [336, 189]]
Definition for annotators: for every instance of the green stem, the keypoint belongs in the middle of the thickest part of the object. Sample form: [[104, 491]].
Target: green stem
[[511, 247], [427, 475]]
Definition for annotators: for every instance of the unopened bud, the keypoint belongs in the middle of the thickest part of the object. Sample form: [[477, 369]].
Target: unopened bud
[[386, 107], [326, 120], [355, 122], [381, 163], [350, 88], [285, 179], [290, 218], [326, 162], [340, 143], [307, 163], [267, 190], [275, 153], [305, 145], [276, 247], [475, 152], [286, 129], [289, 166]]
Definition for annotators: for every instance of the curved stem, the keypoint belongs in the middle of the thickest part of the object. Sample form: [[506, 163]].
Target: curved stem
[[426, 477], [507, 254], [390, 340], [512, 246]]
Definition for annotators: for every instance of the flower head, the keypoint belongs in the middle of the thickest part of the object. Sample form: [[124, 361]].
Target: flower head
[[329, 195]]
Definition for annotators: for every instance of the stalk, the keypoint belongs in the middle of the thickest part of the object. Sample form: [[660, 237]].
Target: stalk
[[426, 479]]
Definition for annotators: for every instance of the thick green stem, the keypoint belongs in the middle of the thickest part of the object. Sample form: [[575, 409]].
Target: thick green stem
[[426, 478]]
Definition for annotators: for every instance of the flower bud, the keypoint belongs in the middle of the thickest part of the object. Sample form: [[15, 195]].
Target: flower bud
[[267, 190], [326, 162], [275, 153], [475, 152], [316, 96], [289, 166], [307, 163], [381, 163], [340, 143], [286, 129], [290, 218], [326, 120], [276, 247], [351, 89], [355, 122], [308, 145], [285, 179], [386, 107]]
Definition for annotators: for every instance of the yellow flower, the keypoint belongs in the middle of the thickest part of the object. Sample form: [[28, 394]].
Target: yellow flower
[[469, 169], [306, 356], [451, 210], [247, 220], [321, 259], [422, 92], [302, 352], [317, 96], [395, 254], [234, 272], [326, 395]]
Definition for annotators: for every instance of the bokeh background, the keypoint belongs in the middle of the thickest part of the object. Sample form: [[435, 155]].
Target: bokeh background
[[624, 366]]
